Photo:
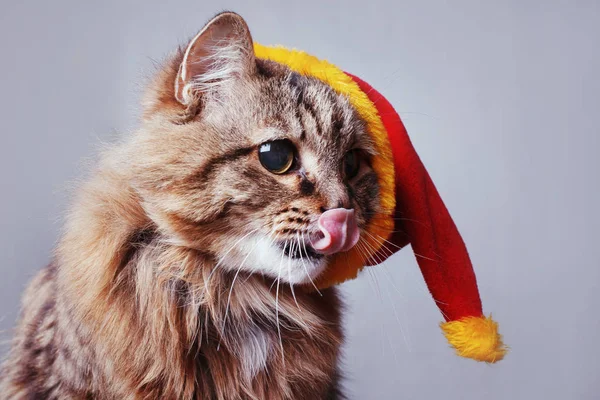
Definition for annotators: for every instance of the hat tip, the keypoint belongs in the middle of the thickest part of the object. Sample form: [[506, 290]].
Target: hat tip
[[476, 338]]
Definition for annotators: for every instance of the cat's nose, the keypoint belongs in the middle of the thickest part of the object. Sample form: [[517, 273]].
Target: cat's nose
[[339, 229]]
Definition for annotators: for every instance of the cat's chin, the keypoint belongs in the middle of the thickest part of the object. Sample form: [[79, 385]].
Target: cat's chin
[[300, 274], [289, 263]]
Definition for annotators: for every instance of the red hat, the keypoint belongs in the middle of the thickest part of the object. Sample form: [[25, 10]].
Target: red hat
[[412, 212]]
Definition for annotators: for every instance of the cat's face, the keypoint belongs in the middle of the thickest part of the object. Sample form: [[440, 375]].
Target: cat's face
[[239, 157]]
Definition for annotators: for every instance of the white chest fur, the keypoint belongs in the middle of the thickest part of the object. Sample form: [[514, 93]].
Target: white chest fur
[[254, 350]]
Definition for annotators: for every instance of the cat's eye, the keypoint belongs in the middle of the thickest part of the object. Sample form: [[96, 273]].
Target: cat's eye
[[277, 156], [351, 164]]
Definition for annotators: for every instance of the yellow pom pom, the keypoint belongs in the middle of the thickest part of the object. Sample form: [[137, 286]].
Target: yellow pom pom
[[476, 338]]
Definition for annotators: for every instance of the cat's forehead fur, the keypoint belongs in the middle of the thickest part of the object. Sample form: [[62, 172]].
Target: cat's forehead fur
[[306, 109], [274, 102]]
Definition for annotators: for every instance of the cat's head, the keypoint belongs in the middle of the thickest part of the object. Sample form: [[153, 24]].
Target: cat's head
[[240, 157]]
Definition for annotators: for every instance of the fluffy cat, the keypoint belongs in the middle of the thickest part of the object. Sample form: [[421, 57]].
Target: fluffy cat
[[186, 269]]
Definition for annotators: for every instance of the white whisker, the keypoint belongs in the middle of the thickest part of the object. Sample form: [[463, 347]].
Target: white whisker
[[277, 304], [395, 311], [225, 255], [232, 285], [416, 254], [304, 265], [383, 320], [290, 274]]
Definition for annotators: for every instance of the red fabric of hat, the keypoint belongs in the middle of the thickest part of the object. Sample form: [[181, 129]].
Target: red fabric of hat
[[423, 220]]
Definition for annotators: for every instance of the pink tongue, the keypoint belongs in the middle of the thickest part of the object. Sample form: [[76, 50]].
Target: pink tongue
[[340, 232]]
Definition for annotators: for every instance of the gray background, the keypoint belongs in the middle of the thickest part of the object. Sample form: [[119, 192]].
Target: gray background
[[501, 101]]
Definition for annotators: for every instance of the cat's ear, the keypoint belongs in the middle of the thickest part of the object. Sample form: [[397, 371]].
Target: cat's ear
[[222, 51]]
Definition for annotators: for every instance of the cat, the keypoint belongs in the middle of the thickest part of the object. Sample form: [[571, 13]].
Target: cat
[[187, 263]]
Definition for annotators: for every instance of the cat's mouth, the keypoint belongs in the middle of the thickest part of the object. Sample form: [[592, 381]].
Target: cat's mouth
[[299, 251], [337, 232]]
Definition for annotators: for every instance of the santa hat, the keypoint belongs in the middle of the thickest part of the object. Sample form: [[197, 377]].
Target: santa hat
[[411, 212]]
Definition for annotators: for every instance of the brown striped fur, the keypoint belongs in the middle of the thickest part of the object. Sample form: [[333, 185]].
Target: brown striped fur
[[167, 282]]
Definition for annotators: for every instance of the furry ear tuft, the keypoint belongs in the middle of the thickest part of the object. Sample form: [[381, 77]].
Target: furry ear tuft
[[222, 50]]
